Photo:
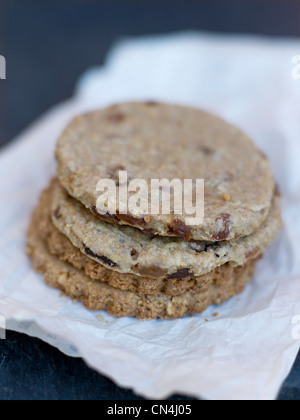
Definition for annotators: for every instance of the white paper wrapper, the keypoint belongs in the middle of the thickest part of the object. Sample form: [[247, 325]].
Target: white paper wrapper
[[249, 348]]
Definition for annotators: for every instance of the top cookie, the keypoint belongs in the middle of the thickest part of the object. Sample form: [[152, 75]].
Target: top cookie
[[157, 141]]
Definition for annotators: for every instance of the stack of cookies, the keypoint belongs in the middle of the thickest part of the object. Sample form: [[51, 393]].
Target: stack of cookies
[[153, 266]]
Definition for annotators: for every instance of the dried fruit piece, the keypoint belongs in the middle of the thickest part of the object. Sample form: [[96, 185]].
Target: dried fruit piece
[[179, 228], [223, 234], [106, 217], [57, 214], [131, 220], [181, 274], [105, 260], [134, 254]]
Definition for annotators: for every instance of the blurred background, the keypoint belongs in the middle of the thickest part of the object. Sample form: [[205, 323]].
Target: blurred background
[[47, 45]]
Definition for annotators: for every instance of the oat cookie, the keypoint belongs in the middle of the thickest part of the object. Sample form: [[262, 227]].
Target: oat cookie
[[157, 141], [128, 250], [60, 245], [97, 295]]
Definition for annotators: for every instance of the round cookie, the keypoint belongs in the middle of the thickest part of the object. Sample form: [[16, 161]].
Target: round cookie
[[60, 245], [97, 295], [158, 141], [127, 250]]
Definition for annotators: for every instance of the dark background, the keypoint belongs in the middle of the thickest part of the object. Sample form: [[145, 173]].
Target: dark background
[[47, 45]]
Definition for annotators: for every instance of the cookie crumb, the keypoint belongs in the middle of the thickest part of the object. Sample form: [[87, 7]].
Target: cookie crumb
[[100, 318], [147, 219], [226, 197], [216, 314]]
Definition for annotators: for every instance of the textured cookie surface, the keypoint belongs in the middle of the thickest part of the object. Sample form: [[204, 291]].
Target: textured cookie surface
[[127, 250], [97, 295], [59, 245], [156, 141]]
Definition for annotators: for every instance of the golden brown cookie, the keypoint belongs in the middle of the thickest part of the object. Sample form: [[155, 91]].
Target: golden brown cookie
[[158, 141], [97, 295]]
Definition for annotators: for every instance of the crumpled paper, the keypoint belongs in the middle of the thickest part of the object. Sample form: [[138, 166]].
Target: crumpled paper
[[248, 349]]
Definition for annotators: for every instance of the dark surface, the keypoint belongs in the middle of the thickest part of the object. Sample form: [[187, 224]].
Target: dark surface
[[32, 370], [47, 45]]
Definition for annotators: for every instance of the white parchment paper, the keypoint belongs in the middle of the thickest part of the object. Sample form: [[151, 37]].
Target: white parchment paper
[[249, 348]]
